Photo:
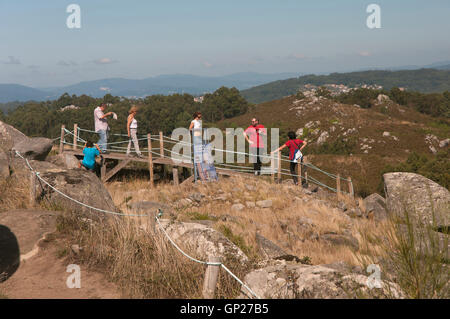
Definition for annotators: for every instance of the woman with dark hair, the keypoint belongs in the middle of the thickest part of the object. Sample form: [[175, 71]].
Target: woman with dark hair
[[295, 153], [90, 152]]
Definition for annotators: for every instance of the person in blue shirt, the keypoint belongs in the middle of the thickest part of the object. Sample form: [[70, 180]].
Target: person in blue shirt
[[90, 152]]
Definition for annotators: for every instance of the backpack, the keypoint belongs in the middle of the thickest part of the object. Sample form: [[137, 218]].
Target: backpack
[[298, 156]]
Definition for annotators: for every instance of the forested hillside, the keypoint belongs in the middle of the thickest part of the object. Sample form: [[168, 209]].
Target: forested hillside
[[423, 80]]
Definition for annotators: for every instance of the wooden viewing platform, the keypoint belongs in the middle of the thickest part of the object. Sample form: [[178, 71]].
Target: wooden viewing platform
[[159, 158]]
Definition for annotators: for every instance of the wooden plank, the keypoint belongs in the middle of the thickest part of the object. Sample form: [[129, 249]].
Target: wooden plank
[[150, 160], [61, 141], [350, 188], [189, 180], [32, 189], [161, 144], [299, 173], [75, 134], [176, 181], [113, 171]]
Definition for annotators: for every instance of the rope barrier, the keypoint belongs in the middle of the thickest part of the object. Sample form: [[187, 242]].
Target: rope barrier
[[134, 215], [168, 139]]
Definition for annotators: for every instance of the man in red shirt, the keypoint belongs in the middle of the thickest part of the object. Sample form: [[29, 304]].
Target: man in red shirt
[[254, 136], [293, 144]]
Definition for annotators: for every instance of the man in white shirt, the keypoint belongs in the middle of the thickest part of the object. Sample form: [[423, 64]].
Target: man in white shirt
[[101, 126]]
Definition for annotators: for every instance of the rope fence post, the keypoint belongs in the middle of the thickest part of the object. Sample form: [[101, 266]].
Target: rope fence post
[[211, 276], [161, 144], [175, 176], [150, 159], [75, 135], [338, 186], [61, 141], [32, 188], [350, 188]]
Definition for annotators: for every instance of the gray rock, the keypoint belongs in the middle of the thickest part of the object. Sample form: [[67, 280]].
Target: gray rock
[[286, 281], [148, 207], [202, 241], [250, 204], [197, 197], [78, 184], [35, 148], [341, 240], [323, 137], [268, 249], [264, 203], [418, 195], [444, 143], [237, 207], [305, 222], [9, 136], [375, 207]]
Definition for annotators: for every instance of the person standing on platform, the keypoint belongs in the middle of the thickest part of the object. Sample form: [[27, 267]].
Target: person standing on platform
[[101, 126]]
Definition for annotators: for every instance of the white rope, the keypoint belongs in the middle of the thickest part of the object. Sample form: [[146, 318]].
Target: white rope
[[204, 262]]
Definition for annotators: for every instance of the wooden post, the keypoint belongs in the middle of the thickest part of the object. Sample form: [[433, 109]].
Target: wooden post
[[75, 135], [161, 144], [61, 141], [175, 176], [338, 186], [306, 178], [211, 276], [350, 188], [150, 159], [32, 189], [273, 167], [299, 173], [279, 167]]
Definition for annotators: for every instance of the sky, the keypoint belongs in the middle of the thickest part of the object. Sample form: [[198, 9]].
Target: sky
[[136, 39]]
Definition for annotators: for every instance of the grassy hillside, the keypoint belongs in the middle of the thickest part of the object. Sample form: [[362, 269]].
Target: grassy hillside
[[361, 142], [423, 80]]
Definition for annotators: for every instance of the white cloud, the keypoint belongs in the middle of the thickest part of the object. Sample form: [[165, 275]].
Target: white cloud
[[105, 89]]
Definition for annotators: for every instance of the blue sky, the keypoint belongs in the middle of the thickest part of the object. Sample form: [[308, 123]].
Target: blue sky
[[143, 38]]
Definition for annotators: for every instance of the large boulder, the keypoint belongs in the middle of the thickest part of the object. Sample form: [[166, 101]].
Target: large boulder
[[375, 207], [295, 281], [78, 184], [268, 249], [64, 160], [36, 148], [9, 136], [424, 199], [202, 241]]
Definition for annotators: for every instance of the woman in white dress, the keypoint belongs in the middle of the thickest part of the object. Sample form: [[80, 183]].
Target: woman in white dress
[[132, 131]]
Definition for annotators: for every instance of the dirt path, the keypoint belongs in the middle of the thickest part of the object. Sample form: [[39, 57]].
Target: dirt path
[[44, 276]]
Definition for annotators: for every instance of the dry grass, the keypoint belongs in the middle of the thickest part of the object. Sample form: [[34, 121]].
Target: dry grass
[[14, 194], [143, 265], [280, 223]]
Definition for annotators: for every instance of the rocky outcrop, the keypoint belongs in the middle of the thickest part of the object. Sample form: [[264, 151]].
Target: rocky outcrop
[[148, 207], [64, 160], [202, 241], [78, 184], [295, 281], [375, 207], [424, 199], [268, 249], [36, 148]]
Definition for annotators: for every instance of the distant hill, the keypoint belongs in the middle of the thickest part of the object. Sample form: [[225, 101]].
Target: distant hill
[[422, 80], [15, 92], [163, 84]]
